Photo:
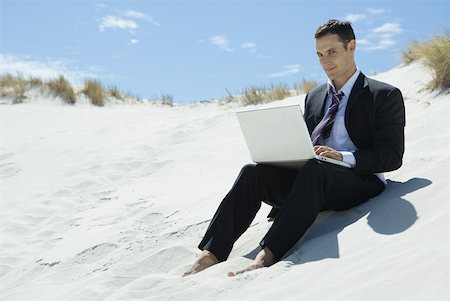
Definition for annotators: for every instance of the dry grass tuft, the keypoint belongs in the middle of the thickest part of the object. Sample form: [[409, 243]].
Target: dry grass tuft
[[94, 91], [255, 95], [166, 99], [16, 87], [435, 54], [13, 87], [305, 86], [7, 80], [114, 92], [35, 82], [229, 98], [62, 88]]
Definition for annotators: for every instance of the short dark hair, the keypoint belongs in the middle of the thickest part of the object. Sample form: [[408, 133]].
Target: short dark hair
[[343, 29]]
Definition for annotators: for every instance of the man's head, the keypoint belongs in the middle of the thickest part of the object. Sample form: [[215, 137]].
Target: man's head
[[343, 29], [335, 47]]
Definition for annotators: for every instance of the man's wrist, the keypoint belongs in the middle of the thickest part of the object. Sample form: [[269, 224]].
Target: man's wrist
[[348, 157]]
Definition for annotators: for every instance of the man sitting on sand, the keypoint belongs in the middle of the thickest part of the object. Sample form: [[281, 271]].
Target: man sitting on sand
[[353, 119]]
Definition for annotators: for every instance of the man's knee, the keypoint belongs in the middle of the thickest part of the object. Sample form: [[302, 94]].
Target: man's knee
[[248, 169], [256, 169], [313, 171], [312, 165]]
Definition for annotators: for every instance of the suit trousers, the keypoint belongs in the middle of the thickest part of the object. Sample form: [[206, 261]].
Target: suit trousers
[[299, 194]]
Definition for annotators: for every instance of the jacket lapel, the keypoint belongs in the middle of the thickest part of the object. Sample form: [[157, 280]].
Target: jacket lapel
[[357, 90], [320, 105]]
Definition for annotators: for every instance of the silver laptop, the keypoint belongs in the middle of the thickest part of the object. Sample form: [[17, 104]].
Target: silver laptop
[[279, 136]]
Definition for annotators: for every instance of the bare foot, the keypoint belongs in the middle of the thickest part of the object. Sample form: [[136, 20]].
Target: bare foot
[[263, 259], [205, 260]]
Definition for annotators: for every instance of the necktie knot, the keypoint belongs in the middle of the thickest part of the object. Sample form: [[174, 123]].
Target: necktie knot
[[335, 96]]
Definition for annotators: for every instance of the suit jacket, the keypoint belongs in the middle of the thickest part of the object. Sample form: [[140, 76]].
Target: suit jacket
[[375, 121]]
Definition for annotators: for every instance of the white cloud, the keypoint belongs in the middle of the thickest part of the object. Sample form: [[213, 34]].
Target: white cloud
[[251, 47], [386, 42], [388, 28], [101, 6], [139, 15], [288, 70], [381, 37], [222, 42], [291, 66], [378, 45], [113, 22], [45, 69], [375, 11], [263, 57], [129, 20], [363, 42], [355, 17]]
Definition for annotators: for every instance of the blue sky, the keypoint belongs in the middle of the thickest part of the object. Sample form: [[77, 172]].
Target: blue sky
[[195, 50]]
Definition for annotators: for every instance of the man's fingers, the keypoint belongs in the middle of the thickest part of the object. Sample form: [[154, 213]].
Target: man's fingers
[[331, 154], [324, 153], [321, 148], [328, 152]]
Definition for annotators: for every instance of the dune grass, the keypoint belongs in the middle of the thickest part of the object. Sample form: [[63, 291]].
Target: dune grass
[[63, 88], [94, 90], [305, 86], [166, 99], [13, 87], [261, 94], [113, 91], [17, 87], [253, 95], [435, 55]]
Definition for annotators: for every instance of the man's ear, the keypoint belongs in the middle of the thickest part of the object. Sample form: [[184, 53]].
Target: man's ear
[[351, 46]]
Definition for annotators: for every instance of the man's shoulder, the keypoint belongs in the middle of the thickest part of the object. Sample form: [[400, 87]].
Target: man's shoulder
[[317, 90], [373, 84], [376, 85], [383, 93]]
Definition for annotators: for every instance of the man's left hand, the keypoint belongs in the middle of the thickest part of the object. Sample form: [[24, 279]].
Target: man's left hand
[[328, 152]]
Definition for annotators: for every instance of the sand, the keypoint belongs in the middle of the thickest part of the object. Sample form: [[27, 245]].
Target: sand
[[110, 203]]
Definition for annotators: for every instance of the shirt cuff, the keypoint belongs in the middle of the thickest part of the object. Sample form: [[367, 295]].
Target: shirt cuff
[[349, 157]]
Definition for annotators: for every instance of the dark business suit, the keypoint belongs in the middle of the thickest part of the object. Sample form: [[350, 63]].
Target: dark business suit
[[375, 120]]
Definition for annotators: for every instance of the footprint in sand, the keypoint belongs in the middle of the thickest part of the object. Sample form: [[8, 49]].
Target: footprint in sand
[[194, 230], [94, 254], [6, 156], [106, 196], [151, 218], [162, 261], [8, 170]]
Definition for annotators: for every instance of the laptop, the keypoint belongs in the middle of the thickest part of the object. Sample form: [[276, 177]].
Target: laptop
[[279, 136]]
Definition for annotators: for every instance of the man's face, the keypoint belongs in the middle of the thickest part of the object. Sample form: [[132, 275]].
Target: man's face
[[336, 61]]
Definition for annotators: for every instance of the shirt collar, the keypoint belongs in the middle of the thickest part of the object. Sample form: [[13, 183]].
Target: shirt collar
[[348, 86]]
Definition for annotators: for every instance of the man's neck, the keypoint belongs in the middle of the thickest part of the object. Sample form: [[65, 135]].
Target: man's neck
[[339, 83]]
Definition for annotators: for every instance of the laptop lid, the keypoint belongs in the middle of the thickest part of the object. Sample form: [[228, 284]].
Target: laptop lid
[[279, 136]]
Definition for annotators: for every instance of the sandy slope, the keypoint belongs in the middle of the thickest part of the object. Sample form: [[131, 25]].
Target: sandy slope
[[110, 203]]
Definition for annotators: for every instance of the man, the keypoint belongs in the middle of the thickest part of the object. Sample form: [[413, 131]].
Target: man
[[351, 118]]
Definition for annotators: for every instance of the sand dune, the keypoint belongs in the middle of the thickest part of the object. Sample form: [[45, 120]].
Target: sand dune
[[110, 204]]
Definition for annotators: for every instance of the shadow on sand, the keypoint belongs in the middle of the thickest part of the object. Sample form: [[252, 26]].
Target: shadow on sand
[[388, 214]]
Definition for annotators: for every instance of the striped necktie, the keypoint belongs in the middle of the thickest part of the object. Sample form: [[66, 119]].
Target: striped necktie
[[323, 129]]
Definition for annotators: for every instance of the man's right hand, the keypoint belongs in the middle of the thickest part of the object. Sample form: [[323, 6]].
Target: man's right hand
[[322, 150]]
